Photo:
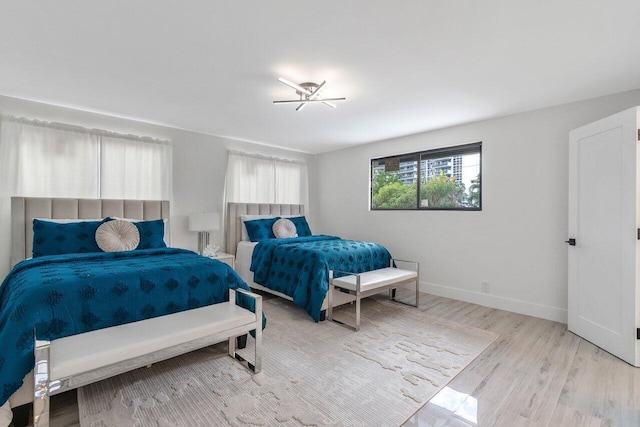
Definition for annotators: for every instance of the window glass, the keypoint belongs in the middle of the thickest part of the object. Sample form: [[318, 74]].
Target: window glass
[[450, 178]]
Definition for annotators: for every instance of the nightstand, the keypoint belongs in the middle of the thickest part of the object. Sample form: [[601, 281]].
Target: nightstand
[[226, 258]]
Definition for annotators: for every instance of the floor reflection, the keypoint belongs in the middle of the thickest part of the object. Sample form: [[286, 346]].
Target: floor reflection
[[446, 406]]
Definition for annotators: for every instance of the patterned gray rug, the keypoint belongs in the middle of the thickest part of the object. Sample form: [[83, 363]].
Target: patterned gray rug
[[313, 374]]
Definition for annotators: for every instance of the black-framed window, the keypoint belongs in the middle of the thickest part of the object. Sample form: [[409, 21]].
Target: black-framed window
[[447, 178]]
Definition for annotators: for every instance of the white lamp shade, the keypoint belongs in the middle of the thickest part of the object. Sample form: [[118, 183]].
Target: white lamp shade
[[204, 221]]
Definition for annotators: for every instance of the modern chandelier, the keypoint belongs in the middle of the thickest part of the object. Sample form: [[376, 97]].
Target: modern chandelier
[[308, 92]]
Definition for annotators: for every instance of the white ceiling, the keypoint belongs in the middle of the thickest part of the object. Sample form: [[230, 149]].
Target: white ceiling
[[404, 66]]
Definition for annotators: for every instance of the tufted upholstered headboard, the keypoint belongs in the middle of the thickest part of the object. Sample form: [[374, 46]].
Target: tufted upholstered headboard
[[234, 223], [25, 209]]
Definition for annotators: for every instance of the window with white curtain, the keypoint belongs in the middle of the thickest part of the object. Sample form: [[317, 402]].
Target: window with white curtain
[[41, 159], [252, 178], [46, 161]]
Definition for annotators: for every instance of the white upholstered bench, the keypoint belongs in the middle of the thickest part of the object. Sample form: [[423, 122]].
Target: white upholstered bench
[[78, 360], [373, 282]]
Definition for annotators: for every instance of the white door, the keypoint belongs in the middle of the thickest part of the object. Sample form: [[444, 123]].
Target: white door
[[603, 220]]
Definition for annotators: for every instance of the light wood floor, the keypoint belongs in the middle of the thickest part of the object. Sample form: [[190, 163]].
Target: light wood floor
[[535, 374]]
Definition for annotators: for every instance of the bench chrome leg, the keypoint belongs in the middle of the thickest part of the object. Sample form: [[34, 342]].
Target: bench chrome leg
[[41, 402], [417, 298], [333, 319], [392, 291], [232, 346], [256, 366], [346, 325], [330, 300], [258, 350], [253, 367]]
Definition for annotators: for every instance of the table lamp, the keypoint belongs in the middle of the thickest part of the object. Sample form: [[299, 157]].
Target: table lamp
[[204, 222]]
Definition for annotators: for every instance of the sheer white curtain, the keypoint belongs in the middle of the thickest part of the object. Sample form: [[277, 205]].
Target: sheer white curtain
[[135, 169], [253, 178], [48, 160], [40, 159], [290, 182]]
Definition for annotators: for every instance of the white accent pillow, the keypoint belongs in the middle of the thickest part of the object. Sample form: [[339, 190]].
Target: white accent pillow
[[117, 235], [284, 228]]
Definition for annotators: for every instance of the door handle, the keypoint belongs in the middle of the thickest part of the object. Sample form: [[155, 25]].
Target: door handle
[[571, 242]]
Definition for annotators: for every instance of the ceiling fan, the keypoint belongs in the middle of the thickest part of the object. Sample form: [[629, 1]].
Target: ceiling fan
[[308, 92]]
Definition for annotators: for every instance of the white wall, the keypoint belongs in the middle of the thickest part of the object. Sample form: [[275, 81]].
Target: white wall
[[199, 161], [516, 242]]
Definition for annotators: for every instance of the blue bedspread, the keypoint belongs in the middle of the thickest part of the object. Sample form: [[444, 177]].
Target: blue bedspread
[[65, 295], [299, 267]]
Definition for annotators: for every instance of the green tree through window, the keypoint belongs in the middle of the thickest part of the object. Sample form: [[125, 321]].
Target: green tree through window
[[442, 191], [474, 192], [395, 195]]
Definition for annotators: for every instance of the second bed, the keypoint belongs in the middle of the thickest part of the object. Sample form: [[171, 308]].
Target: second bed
[[299, 268]]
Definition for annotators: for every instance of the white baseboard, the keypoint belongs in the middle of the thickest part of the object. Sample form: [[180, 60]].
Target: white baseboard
[[509, 304]]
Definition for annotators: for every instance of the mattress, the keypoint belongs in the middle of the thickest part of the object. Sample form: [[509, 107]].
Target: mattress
[[244, 252]]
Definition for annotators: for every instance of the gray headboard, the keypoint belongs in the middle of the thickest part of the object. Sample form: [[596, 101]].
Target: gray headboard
[[25, 209], [234, 223]]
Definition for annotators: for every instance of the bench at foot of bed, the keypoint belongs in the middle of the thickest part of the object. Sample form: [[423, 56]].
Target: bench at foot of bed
[[78, 360], [372, 282]]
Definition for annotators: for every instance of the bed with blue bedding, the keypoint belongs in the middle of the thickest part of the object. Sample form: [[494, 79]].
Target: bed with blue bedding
[[53, 296], [299, 267], [62, 295]]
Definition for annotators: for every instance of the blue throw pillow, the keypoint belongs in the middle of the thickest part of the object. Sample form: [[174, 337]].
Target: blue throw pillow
[[151, 234], [302, 227], [260, 229], [55, 238]]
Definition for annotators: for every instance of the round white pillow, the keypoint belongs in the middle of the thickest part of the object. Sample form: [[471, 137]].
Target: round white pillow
[[118, 235], [284, 228]]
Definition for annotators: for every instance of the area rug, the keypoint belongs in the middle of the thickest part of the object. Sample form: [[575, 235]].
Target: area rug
[[314, 374]]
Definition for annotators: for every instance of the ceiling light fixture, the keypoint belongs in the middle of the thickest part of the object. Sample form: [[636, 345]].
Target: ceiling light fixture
[[308, 92]]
